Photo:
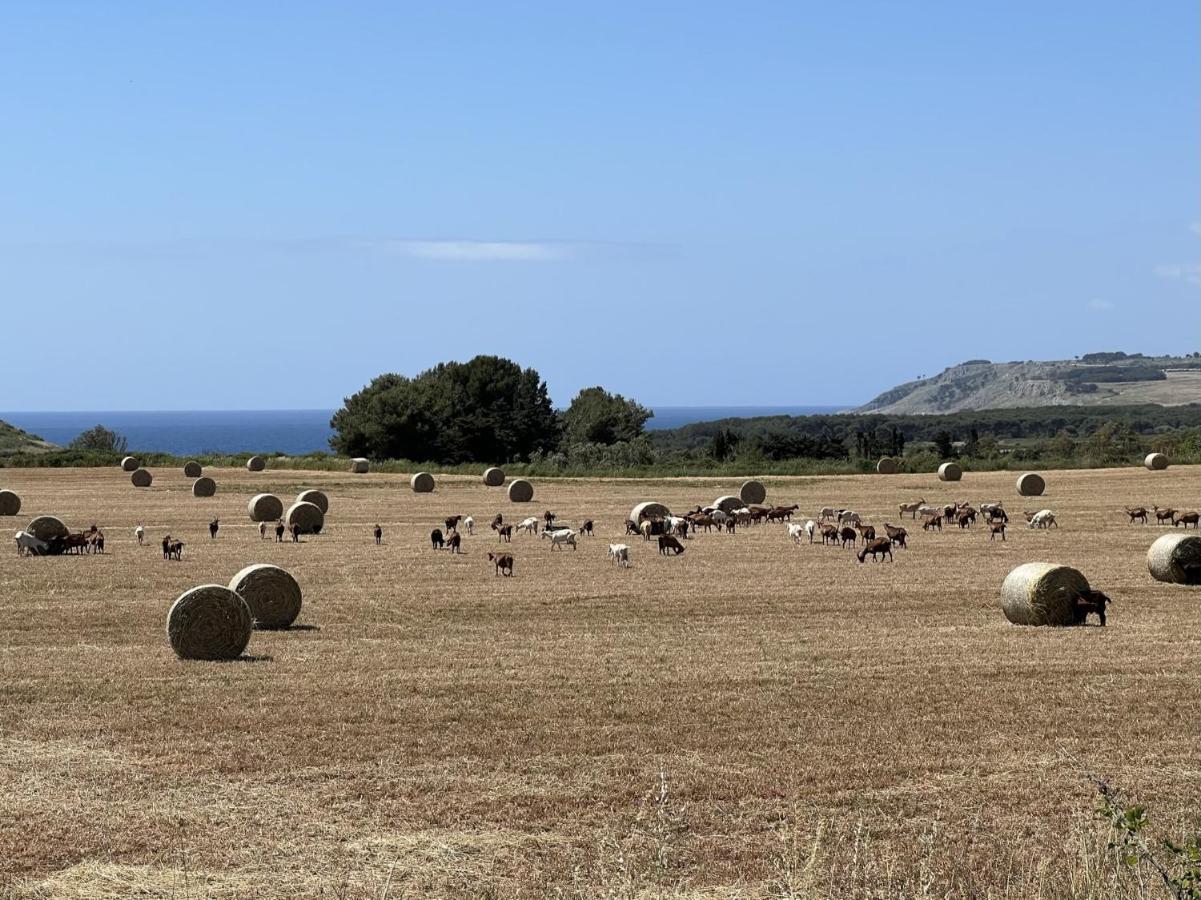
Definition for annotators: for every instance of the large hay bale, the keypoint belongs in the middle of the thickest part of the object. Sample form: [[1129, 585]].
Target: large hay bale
[[192, 469], [1031, 484], [887, 466], [272, 595], [1040, 593], [494, 477], [10, 503], [209, 622], [315, 497], [422, 483], [1176, 559], [130, 464], [141, 478], [728, 503], [265, 508], [256, 464], [520, 491], [359, 465], [204, 487], [752, 492], [649, 509], [308, 516], [950, 471], [1156, 462], [47, 528]]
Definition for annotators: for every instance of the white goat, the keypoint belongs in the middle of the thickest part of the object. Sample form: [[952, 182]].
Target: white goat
[[795, 530], [530, 525], [560, 537], [1044, 518], [810, 528], [469, 524], [620, 553], [140, 534]]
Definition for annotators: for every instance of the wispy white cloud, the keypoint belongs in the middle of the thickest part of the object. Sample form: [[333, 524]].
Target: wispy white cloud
[[1099, 304], [475, 251], [1190, 272]]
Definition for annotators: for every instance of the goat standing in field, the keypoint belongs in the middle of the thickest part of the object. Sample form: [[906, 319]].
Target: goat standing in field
[[795, 530], [667, 542], [279, 531], [213, 527], [586, 528], [912, 508], [620, 553], [995, 528], [878, 548], [896, 534], [379, 535], [1186, 519], [140, 534], [436, 539], [559, 539], [1090, 602], [469, 524], [262, 531], [453, 542], [849, 536], [503, 563], [1136, 514], [504, 533], [1044, 518]]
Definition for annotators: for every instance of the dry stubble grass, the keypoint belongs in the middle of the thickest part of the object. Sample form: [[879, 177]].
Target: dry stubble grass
[[439, 730]]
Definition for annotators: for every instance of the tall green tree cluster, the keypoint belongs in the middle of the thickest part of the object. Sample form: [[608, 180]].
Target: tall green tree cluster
[[598, 417]]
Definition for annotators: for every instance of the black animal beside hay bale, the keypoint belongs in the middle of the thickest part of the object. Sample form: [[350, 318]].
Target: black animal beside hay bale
[[422, 483], [265, 508], [308, 516], [887, 466], [271, 594], [1039, 593], [315, 497], [204, 487], [256, 464], [10, 503], [1156, 462], [209, 622], [359, 465], [520, 491], [752, 492], [728, 503], [1176, 559], [130, 464], [649, 510], [48, 529], [192, 469], [494, 477], [950, 471], [1031, 484], [141, 478]]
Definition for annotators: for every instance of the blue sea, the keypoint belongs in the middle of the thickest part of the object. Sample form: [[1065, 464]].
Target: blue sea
[[287, 431]]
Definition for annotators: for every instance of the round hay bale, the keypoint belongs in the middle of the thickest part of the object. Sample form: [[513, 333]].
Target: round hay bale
[[10, 503], [130, 464], [1176, 559], [47, 528], [141, 478], [314, 497], [265, 508], [494, 477], [752, 492], [359, 465], [271, 594], [728, 504], [204, 487], [1031, 485], [1039, 593], [256, 464], [209, 622], [308, 516], [520, 491], [649, 509], [950, 471], [887, 466], [1156, 462], [192, 469], [422, 483]]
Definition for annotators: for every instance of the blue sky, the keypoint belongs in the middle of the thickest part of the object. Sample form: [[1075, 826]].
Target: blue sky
[[231, 205]]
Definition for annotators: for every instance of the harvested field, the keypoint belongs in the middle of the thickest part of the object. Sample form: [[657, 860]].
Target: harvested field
[[427, 728]]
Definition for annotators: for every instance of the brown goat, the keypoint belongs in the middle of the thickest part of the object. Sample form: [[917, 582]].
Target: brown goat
[[503, 563], [1186, 519], [668, 542], [895, 534], [1136, 513], [932, 522], [1090, 602], [996, 528], [877, 548]]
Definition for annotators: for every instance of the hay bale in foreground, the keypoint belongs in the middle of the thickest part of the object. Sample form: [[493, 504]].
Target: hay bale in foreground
[[10, 503], [256, 464], [265, 508], [1031, 485], [1176, 559], [649, 510], [308, 516], [422, 483], [209, 622], [315, 497], [130, 464], [47, 528], [192, 469], [950, 471], [359, 465], [494, 477], [141, 478], [520, 491], [271, 594], [752, 492], [1040, 593], [1156, 462], [887, 466], [204, 487], [728, 503]]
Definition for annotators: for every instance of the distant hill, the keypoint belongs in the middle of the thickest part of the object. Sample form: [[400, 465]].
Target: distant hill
[[14, 440], [1095, 379]]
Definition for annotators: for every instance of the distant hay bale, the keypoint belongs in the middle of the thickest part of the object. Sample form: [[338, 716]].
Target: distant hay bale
[[130, 464], [271, 594], [728, 503], [256, 464], [47, 528], [308, 516], [649, 509], [752, 492], [950, 471], [359, 465], [191, 469], [1039, 593], [141, 478], [887, 466], [1176, 559], [520, 491], [1031, 485], [1156, 462], [422, 483], [315, 497], [265, 508], [209, 622], [494, 477], [10, 503], [204, 487]]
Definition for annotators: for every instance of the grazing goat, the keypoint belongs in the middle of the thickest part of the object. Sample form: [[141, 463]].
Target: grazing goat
[[867, 532], [549, 517], [453, 542], [436, 539], [810, 528], [912, 508], [505, 533], [97, 540], [1164, 515], [1186, 519], [452, 523], [469, 524], [896, 534], [1136, 513], [667, 542], [213, 527], [560, 537], [706, 522], [965, 519], [279, 531], [927, 510], [731, 523], [1090, 602], [529, 526], [295, 532], [826, 513], [995, 528], [681, 529], [631, 527], [29, 545], [848, 517], [877, 548], [645, 527], [795, 530], [379, 534], [932, 522], [262, 531], [620, 553], [586, 528], [503, 563], [172, 549], [497, 521], [140, 534], [848, 535], [1044, 518], [829, 533]]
